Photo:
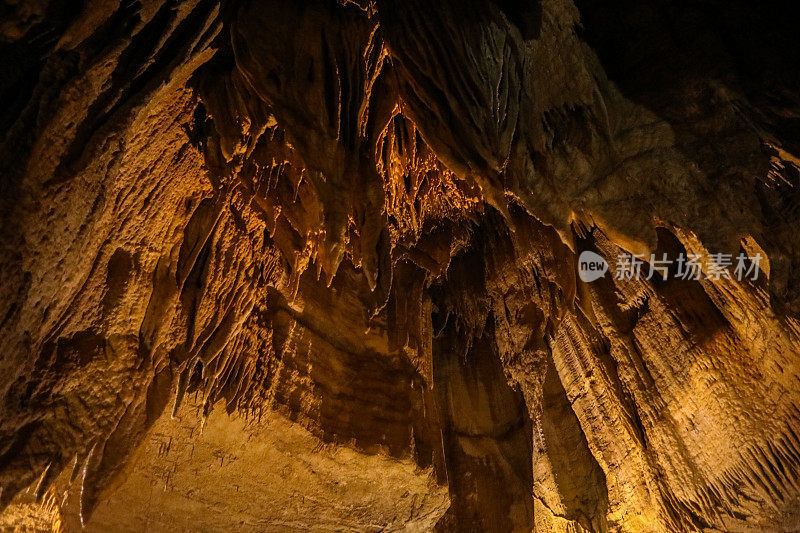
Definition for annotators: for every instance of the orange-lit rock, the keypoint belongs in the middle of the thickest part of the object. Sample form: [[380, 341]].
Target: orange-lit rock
[[344, 235]]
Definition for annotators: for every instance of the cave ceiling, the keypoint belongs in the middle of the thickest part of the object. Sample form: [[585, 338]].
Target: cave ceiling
[[272, 265]]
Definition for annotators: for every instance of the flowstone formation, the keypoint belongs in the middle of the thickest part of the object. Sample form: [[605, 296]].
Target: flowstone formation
[[346, 234]]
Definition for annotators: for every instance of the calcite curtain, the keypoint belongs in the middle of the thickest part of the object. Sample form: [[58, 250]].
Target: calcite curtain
[[367, 216]]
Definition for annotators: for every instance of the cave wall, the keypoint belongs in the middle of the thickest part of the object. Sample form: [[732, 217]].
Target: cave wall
[[366, 216]]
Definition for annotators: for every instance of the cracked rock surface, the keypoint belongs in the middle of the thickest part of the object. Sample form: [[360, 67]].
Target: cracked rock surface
[[271, 265]]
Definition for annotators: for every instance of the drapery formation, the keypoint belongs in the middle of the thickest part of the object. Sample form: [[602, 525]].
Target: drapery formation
[[367, 216]]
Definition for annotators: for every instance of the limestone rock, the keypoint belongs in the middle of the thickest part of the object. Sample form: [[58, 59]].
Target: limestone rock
[[344, 236]]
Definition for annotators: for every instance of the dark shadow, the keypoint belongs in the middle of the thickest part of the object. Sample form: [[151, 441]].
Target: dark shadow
[[526, 16], [486, 436], [580, 480]]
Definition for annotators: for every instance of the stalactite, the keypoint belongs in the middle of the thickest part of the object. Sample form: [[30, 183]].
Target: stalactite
[[366, 217]]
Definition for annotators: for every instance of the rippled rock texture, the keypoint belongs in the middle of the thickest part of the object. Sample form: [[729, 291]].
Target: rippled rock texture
[[362, 219]]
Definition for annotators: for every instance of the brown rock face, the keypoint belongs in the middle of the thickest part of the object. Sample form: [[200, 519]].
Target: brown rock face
[[344, 236]]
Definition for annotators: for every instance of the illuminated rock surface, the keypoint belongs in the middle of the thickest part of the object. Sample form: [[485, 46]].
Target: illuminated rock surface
[[344, 237]]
